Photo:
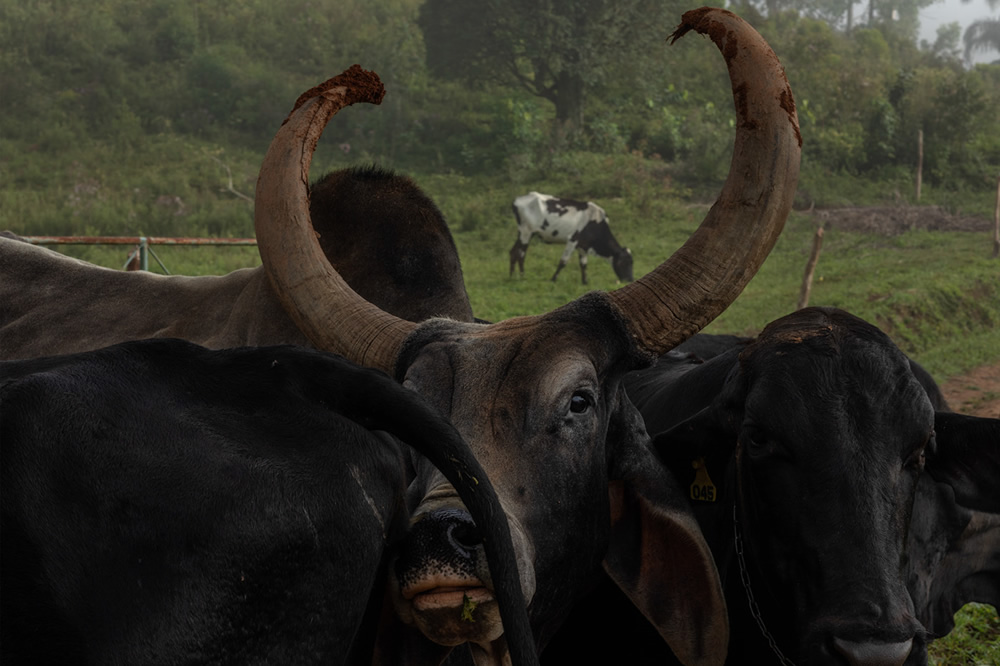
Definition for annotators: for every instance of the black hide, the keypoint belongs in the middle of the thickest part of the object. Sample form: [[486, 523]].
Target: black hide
[[163, 504]]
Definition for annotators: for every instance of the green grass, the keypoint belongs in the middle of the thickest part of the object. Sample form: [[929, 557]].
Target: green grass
[[975, 640]]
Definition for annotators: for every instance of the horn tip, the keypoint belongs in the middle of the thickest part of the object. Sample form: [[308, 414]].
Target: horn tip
[[359, 85], [699, 20]]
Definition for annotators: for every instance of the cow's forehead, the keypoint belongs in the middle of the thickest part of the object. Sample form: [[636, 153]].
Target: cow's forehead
[[858, 391], [541, 356], [589, 329]]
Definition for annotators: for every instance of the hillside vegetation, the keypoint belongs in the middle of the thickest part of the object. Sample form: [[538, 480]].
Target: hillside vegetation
[[151, 118], [121, 116]]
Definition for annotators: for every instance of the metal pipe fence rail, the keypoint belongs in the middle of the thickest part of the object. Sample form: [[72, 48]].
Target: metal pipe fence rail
[[138, 259]]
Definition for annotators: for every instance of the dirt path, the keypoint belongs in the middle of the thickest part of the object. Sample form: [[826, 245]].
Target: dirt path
[[976, 392]]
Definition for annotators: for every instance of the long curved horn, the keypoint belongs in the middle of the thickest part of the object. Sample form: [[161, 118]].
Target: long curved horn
[[704, 276], [318, 300]]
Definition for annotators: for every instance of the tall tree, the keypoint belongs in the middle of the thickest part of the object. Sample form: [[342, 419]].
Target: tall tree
[[555, 49], [984, 34]]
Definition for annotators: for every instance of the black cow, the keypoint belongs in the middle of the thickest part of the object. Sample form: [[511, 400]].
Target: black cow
[[163, 504], [805, 450], [581, 225]]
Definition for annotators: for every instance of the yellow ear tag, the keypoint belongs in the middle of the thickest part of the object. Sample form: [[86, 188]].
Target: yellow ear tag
[[702, 490]]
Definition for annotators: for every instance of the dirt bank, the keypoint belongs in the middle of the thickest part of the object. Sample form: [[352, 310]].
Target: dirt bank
[[976, 392], [893, 220]]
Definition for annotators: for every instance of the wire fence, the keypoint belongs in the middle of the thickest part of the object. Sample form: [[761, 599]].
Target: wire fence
[[138, 258]]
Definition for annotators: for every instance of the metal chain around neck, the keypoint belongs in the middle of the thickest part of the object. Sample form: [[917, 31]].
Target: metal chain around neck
[[754, 608]]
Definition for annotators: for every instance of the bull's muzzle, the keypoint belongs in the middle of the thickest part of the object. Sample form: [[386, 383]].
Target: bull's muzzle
[[440, 578]]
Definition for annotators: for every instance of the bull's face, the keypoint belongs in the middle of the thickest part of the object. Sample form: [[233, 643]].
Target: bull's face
[[551, 391]]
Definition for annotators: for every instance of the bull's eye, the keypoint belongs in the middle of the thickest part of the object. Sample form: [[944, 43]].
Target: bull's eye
[[754, 437], [917, 459], [580, 402], [756, 441]]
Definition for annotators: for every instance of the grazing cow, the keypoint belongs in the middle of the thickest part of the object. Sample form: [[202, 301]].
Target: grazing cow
[[804, 451], [163, 503], [539, 399], [582, 225]]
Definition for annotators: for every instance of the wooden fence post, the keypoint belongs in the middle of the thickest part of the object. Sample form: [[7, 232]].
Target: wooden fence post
[[807, 279], [920, 161], [996, 223]]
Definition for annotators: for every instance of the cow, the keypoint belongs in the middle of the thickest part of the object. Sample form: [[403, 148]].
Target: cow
[[163, 503], [539, 398], [582, 225], [849, 513]]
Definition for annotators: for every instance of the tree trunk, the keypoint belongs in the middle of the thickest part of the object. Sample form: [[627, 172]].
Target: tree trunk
[[569, 101]]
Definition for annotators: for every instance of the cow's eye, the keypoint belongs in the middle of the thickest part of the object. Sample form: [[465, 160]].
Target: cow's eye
[[916, 460], [580, 402], [756, 441]]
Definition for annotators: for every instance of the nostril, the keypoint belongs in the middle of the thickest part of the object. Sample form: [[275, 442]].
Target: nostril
[[442, 544], [873, 654], [465, 536]]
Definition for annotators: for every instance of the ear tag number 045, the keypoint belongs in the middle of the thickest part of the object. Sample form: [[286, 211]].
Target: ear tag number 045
[[702, 490]]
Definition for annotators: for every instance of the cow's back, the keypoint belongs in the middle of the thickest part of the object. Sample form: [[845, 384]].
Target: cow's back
[[157, 513], [553, 219], [529, 213], [54, 304]]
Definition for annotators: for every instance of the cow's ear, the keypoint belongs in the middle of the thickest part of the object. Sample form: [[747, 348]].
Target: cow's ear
[[953, 556], [953, 545], [657, 554], [659, 558], [966, 456], [710, 432]]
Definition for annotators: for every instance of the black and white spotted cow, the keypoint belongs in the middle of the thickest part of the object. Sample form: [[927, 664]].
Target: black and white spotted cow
[[582, 225]]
